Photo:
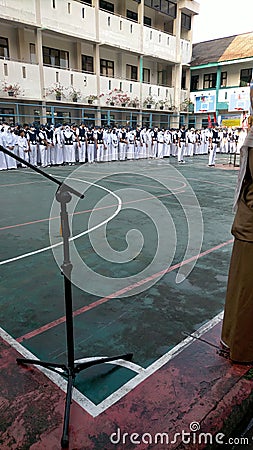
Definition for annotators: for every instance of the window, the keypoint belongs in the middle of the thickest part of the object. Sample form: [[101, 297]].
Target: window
[[132, 15], [53, 3], [106, 68], [4, 48], [165, 6], [186, 21], [156, 4], [147, 21], [55, 57], [107, 6], [209, 80], [194, 82], [162, 77], [23, 71], [172, 10], [245, 77], [87, 64], [183, 79], [131, 72], [88, 2], [168, 26], [33, 54], [146, 75], [223, 79]]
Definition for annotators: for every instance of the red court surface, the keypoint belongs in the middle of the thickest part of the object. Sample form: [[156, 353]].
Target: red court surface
[[196, 390]]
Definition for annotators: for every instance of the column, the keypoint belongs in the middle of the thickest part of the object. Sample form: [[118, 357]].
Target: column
[[78, 58], [217, 88]]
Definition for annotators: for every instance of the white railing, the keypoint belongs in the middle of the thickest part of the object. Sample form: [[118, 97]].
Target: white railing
[[19, 11], [25, 74], [157, 43], [84, 82], [74, 19], [119, 32], [186, 51]]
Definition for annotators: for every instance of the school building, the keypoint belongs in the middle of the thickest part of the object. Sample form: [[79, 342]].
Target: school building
[[221, 71], [104, 62]]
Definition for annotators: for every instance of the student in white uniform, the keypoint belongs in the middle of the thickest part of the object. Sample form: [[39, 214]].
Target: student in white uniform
[[167, 143], [82, 141], [31, 137], [99, 136], [8, 140], [58, 145], [69, 148], [131, 144], [3, 165], [191, 137], [23, 147], [114, 145], [154, 134], [122, 144], [213, 142], [181, 144], [138, 149], [174, 145], [42, 138], [160, 144], [149, 143], [90, 145], [51, 157]]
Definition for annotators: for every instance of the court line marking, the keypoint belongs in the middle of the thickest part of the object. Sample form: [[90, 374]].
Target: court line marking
[[129, 288], [179, 191], [175, 190], [85, 403], [16, 258]]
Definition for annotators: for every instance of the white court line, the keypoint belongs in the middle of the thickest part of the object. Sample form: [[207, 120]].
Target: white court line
[[88, 405], [35, 252]]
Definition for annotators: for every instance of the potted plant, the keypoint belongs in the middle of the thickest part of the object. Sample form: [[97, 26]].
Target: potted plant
[[186, 105], [149, 101], [57, 89], [164, 103], [74, 94], [92, 98], [117, 97], [134, 102], [13, 90]]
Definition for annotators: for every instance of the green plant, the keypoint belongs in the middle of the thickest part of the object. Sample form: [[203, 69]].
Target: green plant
[[57, 88], [149, 100], [74, 94]]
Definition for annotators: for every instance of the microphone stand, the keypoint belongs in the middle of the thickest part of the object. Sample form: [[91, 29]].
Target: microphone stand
[[71, 368]]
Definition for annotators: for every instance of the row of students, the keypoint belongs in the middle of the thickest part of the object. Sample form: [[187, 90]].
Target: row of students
[[66, 144]]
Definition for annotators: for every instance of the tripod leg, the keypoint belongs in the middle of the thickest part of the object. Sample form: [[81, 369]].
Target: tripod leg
[[48, 365], [68, 400]]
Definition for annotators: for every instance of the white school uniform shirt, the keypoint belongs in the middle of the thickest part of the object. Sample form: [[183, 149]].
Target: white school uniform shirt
[[22, 142], [8, 139], [167, 137]]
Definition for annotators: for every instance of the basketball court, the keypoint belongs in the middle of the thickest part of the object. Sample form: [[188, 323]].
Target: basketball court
[[150, 246]]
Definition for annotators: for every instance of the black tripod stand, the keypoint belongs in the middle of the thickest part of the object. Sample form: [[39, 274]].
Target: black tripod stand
[[70, 369]]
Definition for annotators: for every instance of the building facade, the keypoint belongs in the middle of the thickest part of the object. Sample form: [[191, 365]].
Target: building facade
[[221, 71], [100, 61]]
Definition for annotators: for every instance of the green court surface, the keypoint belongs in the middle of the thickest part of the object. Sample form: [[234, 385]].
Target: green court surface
[[148, 321]]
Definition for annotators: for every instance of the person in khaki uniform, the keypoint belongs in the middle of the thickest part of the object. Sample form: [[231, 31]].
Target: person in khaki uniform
[[237, 329]]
